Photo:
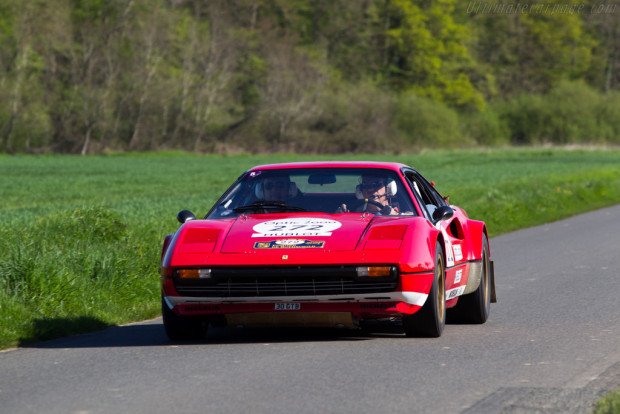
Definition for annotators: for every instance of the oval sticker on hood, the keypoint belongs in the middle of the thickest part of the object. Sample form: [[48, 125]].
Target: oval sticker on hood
[[287, 242], [294, 227]]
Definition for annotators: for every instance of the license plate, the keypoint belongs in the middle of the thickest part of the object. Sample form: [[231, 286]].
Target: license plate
[[287, 306]]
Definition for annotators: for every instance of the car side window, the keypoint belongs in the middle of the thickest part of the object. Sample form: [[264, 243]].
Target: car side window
[[429, 198], [438, 199]]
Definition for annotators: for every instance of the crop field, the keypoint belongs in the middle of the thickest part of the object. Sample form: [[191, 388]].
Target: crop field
[[80, 237]]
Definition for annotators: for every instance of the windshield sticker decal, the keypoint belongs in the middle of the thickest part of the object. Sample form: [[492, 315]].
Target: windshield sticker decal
[[296, 227], [255, 174], [290, 244]]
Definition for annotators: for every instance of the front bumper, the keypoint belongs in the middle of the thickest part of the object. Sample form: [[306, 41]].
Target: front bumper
[[405, 294]]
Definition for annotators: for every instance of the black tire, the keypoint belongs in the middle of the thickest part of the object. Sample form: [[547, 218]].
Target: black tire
[[430, 321], [474, 307], [182, 328]]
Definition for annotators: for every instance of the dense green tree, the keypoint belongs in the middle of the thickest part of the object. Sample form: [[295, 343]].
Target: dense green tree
[[602, 22], [29, 34], [89, 76], [530, 49], [426, 52]]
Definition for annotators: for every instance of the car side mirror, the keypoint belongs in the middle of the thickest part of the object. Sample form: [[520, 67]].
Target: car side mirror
[[442, 213], [185, 215]]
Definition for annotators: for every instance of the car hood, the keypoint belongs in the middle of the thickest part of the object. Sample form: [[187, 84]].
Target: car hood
[[294, 239], [340, 232]]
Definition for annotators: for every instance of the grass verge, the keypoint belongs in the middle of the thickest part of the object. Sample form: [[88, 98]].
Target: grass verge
[[609, 404], [80, 237]]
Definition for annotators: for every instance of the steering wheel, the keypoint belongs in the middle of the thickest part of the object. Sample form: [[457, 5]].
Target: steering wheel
[[375, 203], [384, 210]]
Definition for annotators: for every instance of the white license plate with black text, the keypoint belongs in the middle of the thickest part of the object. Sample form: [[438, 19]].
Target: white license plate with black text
[[287, 306]]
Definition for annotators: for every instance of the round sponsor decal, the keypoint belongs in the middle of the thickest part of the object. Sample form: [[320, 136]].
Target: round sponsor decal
[[296, 227]]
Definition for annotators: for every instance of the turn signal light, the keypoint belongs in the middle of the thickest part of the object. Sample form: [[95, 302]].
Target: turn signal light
[[194, 273], [374, 271]]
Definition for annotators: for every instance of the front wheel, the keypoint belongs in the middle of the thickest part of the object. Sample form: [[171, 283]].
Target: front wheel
[[431, 319], [474, 307], [179, 328]]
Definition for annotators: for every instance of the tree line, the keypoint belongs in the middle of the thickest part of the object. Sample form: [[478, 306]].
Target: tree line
[[93, 76]]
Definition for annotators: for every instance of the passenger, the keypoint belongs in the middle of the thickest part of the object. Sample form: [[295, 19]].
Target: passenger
[[278, 188]]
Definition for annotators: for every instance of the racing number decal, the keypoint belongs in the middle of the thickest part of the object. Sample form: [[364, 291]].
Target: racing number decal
[[305, 227], [296, 227]]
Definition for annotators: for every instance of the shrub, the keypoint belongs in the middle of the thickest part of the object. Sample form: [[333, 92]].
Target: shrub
[[525, 118], [572, 112], [426, 123], [608, 117], [486, 128], [353, 119]]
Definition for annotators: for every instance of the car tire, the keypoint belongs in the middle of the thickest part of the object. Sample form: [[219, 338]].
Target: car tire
[[181, 328], [474, 307], [431, 319]]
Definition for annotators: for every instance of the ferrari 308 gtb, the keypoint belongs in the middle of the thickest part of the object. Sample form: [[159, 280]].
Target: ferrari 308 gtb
[[327, 244]]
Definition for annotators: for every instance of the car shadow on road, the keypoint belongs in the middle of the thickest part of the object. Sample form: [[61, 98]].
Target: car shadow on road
[[151, 333], [93, 333]]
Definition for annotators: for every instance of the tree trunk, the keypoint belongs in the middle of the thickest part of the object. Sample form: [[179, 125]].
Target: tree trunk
[[87, 139]]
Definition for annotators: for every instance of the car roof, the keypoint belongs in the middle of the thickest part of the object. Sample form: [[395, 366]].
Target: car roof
[[332, 164]]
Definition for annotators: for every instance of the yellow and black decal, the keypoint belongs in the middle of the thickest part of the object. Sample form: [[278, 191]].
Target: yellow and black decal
[[290, 244]]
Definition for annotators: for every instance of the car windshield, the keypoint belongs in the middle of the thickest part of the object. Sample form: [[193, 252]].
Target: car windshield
[[318, 190]]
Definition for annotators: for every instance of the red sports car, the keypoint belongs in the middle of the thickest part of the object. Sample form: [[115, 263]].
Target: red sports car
[[327, 244]]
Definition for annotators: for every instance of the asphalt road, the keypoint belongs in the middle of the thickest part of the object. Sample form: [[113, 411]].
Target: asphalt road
[[551, 345]]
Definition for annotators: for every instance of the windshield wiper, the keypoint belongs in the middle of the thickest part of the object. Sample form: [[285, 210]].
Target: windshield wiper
[[267, 205]]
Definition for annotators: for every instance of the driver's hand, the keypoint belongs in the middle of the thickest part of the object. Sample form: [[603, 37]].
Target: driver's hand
[[388, 211], [342, 209]]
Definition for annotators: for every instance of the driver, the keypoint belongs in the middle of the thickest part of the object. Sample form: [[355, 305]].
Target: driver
[[374, 197]]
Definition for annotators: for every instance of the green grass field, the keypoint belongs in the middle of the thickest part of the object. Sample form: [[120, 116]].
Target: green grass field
[[80, 237]]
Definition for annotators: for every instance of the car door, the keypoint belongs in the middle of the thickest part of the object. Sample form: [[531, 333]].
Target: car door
[[454, 232]]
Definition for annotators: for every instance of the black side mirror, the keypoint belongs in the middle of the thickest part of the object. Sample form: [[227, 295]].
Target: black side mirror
[[442, 213], [185, 215]]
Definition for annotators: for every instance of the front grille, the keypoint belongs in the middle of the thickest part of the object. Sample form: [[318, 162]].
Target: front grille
[[299, 281]]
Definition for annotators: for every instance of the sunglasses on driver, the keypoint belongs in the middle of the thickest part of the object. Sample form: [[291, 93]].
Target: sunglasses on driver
[[373, 185]]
